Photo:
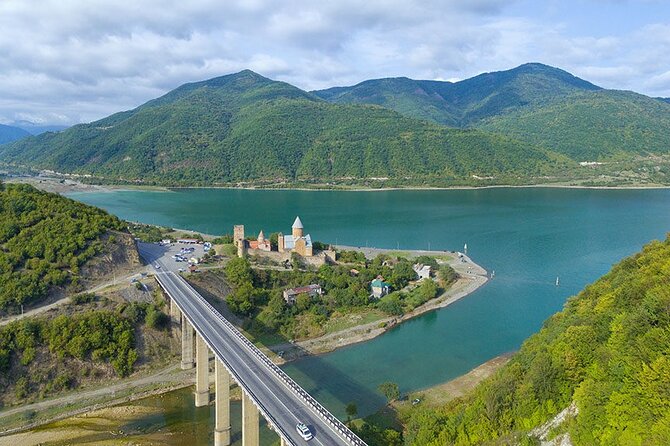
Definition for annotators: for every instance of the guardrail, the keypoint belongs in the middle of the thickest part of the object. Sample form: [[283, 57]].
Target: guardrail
[[328, 417]]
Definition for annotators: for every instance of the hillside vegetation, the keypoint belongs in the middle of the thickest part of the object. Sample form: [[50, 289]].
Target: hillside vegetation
[[467, 102], [598, 125], [607, 351], [44, 241], [245, 128], [530, 124]]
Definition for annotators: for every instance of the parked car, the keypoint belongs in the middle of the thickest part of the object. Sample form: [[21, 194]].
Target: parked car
[[304, 431]]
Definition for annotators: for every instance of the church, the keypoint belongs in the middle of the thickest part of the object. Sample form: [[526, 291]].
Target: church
[[296, 242]]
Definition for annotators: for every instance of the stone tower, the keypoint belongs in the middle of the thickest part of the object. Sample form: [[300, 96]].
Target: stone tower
[[242, 248], [261, 237], [238, 234], [280, 242], [297, 228]]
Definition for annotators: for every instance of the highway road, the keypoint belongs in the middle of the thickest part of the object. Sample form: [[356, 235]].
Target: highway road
[[280, 400]]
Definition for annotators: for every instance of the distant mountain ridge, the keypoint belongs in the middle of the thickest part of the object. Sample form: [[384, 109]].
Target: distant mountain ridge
[[533, 123], [536, 103], [10, 133], [244, 127], [35, 128], [466, 102]]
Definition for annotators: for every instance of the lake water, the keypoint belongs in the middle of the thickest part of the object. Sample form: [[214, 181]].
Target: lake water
[[529, 236]]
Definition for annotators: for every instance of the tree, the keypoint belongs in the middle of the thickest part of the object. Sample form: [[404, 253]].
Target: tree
[[238, 271], [402, 274], [390, 390], [447, 274], [303, 302], [351, 410]]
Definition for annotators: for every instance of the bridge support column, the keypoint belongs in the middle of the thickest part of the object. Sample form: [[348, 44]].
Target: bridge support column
[[222, 405], [201, 372], [186, 344], [175, 313], [250, 430]]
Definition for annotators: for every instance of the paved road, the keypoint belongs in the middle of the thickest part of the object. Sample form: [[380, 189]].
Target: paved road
[[281, 401]]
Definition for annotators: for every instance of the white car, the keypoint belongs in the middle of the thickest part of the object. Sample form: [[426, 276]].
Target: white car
[[304, 431], [157, 266]]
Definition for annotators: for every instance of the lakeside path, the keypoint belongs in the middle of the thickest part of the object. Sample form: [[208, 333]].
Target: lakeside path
[[471, 277]]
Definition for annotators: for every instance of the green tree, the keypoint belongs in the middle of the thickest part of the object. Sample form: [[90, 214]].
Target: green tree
[[390, 390], [352, 410], [238, 271], [402, 274]]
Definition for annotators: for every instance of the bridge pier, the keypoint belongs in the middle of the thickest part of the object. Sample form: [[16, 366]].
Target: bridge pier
[[222, 405], [250, 429], [201, 372], [175, 313], [186, 344]]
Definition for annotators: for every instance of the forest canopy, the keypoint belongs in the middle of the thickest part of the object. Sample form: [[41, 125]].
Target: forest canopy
[[44, 240]]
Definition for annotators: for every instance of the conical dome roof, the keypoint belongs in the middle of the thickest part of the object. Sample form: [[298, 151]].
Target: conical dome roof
[[297, 224]]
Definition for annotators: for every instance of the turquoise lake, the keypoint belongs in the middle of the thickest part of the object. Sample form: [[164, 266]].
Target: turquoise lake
[[529, 236]]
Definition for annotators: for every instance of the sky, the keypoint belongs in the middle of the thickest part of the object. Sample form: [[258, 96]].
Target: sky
[[70, 61]]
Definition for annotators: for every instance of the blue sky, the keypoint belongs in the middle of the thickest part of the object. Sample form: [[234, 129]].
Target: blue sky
[[63, 62]]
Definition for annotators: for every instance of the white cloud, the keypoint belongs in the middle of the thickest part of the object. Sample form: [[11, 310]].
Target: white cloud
[[72, 61]]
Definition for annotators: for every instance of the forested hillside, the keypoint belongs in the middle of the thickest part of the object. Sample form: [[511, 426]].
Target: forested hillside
[[44, 241], [590, 126], [531, 124], [607, 351], [245, 127], [467, 102]]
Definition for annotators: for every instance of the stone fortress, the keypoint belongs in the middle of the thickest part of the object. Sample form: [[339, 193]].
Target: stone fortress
[[297, 242]]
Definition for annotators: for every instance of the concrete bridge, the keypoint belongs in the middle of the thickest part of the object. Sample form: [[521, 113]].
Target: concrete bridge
[[266, 389]]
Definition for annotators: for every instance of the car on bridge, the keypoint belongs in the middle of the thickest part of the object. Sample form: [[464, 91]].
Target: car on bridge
[[304, 431]]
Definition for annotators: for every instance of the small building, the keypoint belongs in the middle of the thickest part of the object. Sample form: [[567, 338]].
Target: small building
[[291, 294], [380, 288], [260, 243], [423, 271]]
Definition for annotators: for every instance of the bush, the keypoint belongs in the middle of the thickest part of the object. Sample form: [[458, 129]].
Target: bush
[[82, 298], [447, 274], [156, 319]]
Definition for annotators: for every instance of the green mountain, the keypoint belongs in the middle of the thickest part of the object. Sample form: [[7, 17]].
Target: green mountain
[[244, 127], [467, 102], [9, 133], [541, 105], [590, 126], [606, 353]]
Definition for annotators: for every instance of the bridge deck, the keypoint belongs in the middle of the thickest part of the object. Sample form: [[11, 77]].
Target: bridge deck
[[281, 401]]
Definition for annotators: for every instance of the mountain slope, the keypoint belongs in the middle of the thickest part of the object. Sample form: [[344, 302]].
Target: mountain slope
[[45, 241], [9, 133], [244, 127], [592, 126], [607, 352], [466, 102]]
